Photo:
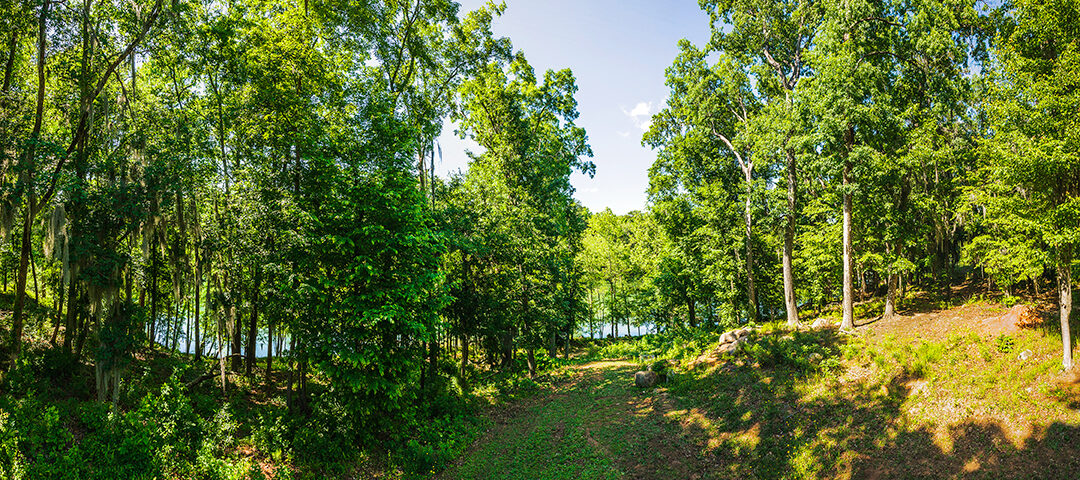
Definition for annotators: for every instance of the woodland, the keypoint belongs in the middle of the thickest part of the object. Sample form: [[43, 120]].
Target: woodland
[[225, 251]]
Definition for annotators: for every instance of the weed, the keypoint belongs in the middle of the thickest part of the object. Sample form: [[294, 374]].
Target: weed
[[1004, 343]]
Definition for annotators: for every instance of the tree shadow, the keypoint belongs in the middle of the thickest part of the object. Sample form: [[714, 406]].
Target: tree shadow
[[785, 422]]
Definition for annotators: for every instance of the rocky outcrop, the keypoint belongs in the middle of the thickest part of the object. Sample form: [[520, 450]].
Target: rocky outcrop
[[822, 323], [729, 344], [645, 379]]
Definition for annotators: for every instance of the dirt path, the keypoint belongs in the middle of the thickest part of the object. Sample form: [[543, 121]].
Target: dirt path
[[593, 425]]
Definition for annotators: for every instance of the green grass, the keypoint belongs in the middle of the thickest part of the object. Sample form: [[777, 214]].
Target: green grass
[[885, 406]]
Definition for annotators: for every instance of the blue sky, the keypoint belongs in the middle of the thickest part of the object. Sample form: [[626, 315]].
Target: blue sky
[[618, 51]]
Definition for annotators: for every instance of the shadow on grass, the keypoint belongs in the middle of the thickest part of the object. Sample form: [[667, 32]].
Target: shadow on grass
[[783, 422]]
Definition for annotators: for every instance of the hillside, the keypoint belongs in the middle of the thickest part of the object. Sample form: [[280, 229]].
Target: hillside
[[930, 394]]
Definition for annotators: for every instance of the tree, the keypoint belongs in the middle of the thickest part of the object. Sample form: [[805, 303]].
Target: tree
[[522, 181], [1032, 163]]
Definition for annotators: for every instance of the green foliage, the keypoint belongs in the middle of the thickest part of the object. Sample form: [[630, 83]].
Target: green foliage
[[796, 351], [1005, 343]]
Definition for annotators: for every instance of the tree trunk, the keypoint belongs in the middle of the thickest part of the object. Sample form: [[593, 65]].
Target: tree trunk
[[198, 338], [253, 331], [1065, 304], [83, 326], [31, 204], [269, 352], [464, 356], [848, 321], [221, 339], [59, 311], [234, 334], [751, 292], [153, 290], [894, 281], [20, 289], [508, 348], [33, 272], [790, 303], [9, 65], [692, 318], [566, 348], [530, 355], [70, 329]]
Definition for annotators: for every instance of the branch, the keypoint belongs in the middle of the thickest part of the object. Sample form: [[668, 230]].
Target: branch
[[80, 129], [727, 142], [873, 19], [776, 66]]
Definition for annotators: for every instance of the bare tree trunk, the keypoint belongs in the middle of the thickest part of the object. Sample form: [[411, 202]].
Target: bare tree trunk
[[153, 290], [253, 331], [894, 281], [70, 330], [221, 339], [31, 204], [1065, 304], [690, 312], [848, 321], [20, 288], [33, 272], [530, 355], [235, 327], [198, 338], [269, 351], [790, 303], [751, 292], [464, 356], [9, 65], [59, 311]]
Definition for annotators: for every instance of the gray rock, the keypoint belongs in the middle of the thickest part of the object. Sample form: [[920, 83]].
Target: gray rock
[[730, 347], [1026, 354], [729, 337], [645, 379], [821, 323]]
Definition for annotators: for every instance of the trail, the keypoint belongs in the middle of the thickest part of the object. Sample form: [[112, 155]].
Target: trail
[[594, 424]]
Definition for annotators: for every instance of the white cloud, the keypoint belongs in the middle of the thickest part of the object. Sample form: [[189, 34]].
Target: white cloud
[[641, 109], [641, 115], [623, 134]]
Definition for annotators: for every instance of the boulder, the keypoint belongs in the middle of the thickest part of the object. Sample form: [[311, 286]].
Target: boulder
[[730, 347], [729, 337], [821, 323], [645, 379]]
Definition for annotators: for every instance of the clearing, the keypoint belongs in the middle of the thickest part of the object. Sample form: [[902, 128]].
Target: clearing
[[926, 395]]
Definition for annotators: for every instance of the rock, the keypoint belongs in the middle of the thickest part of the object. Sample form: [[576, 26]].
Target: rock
[[645, 379], [814, 357], [1026, 354], [728, 337], [742, 333], [1026, 317], [728, 347], [821, 323]]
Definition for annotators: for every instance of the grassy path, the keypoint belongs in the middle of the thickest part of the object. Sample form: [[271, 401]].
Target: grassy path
[[594, 424], [892, 407]]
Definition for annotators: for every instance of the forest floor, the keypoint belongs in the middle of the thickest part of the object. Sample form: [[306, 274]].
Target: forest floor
[[932, 393]]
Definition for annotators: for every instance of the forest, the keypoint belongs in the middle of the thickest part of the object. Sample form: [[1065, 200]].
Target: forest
[[225, 251]]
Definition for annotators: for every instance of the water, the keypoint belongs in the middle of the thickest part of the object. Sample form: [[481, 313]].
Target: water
[[209, 349], [603, 330]]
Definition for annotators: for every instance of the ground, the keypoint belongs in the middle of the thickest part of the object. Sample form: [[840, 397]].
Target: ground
[[932, 393]]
